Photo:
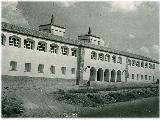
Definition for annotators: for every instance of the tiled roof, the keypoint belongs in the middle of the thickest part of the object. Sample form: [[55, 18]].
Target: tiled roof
[[51, 37]]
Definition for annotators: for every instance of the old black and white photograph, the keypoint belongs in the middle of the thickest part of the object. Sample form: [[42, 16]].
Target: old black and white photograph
[[80, 59]]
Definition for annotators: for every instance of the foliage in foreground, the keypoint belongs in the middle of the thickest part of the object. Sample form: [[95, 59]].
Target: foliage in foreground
[[11, 106], [100, 98]]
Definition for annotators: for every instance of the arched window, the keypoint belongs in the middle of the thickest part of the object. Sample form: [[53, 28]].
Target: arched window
[[29, 43], [133, 62], [138, 63], [42, 46], [142, 64], [93, 55], [101, 56], [15, 41], [146, 65], [114, 58], [54, 48], [3, 39], [119, 60], [107, 57], [65, 50], [74, 52], [129, 62]]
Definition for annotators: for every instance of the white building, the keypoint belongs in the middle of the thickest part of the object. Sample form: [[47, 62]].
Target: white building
[[46, 53]]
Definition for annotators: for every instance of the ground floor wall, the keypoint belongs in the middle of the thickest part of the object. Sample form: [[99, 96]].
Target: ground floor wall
[[35, 58]]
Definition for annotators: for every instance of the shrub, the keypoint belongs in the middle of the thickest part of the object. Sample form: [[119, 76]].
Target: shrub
[[11, 106]]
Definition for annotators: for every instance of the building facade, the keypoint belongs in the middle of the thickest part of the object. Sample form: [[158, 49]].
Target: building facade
[[46, 53]]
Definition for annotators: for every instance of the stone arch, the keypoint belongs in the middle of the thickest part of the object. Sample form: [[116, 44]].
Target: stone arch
[[100, 74], [106, 75], [118, 76], [92, 74], [113, 75]]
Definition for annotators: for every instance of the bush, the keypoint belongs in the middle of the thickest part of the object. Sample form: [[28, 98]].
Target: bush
[[95, 98], [11, 106]]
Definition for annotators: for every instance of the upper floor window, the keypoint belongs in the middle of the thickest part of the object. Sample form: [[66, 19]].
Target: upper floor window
[[150, 65], [52, 69], [138, 64], [73, 70], [42, 46], [93, 55], [15, 41], [107, 57], [146, 65], [119, 60], [40, 68], [114, 58], [3, 39], [142, 64], [74, 52], [29, 43], [27, 67], [129, 62], [101, 56], [65, 50], [54, 48], [133, 62], [63, 69], [153, 66], [13, 65]]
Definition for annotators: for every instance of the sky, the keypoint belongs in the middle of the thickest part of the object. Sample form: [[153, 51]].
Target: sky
[[126, 26]]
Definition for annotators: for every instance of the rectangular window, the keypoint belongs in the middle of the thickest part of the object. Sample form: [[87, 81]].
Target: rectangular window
[[153, 78], [73, 70], [141, 77], [137, 76], [27, 67], [40, 68], [132, 76], [149, 77], [52, 69], [13, 65], [63, 69], [145, 77]]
